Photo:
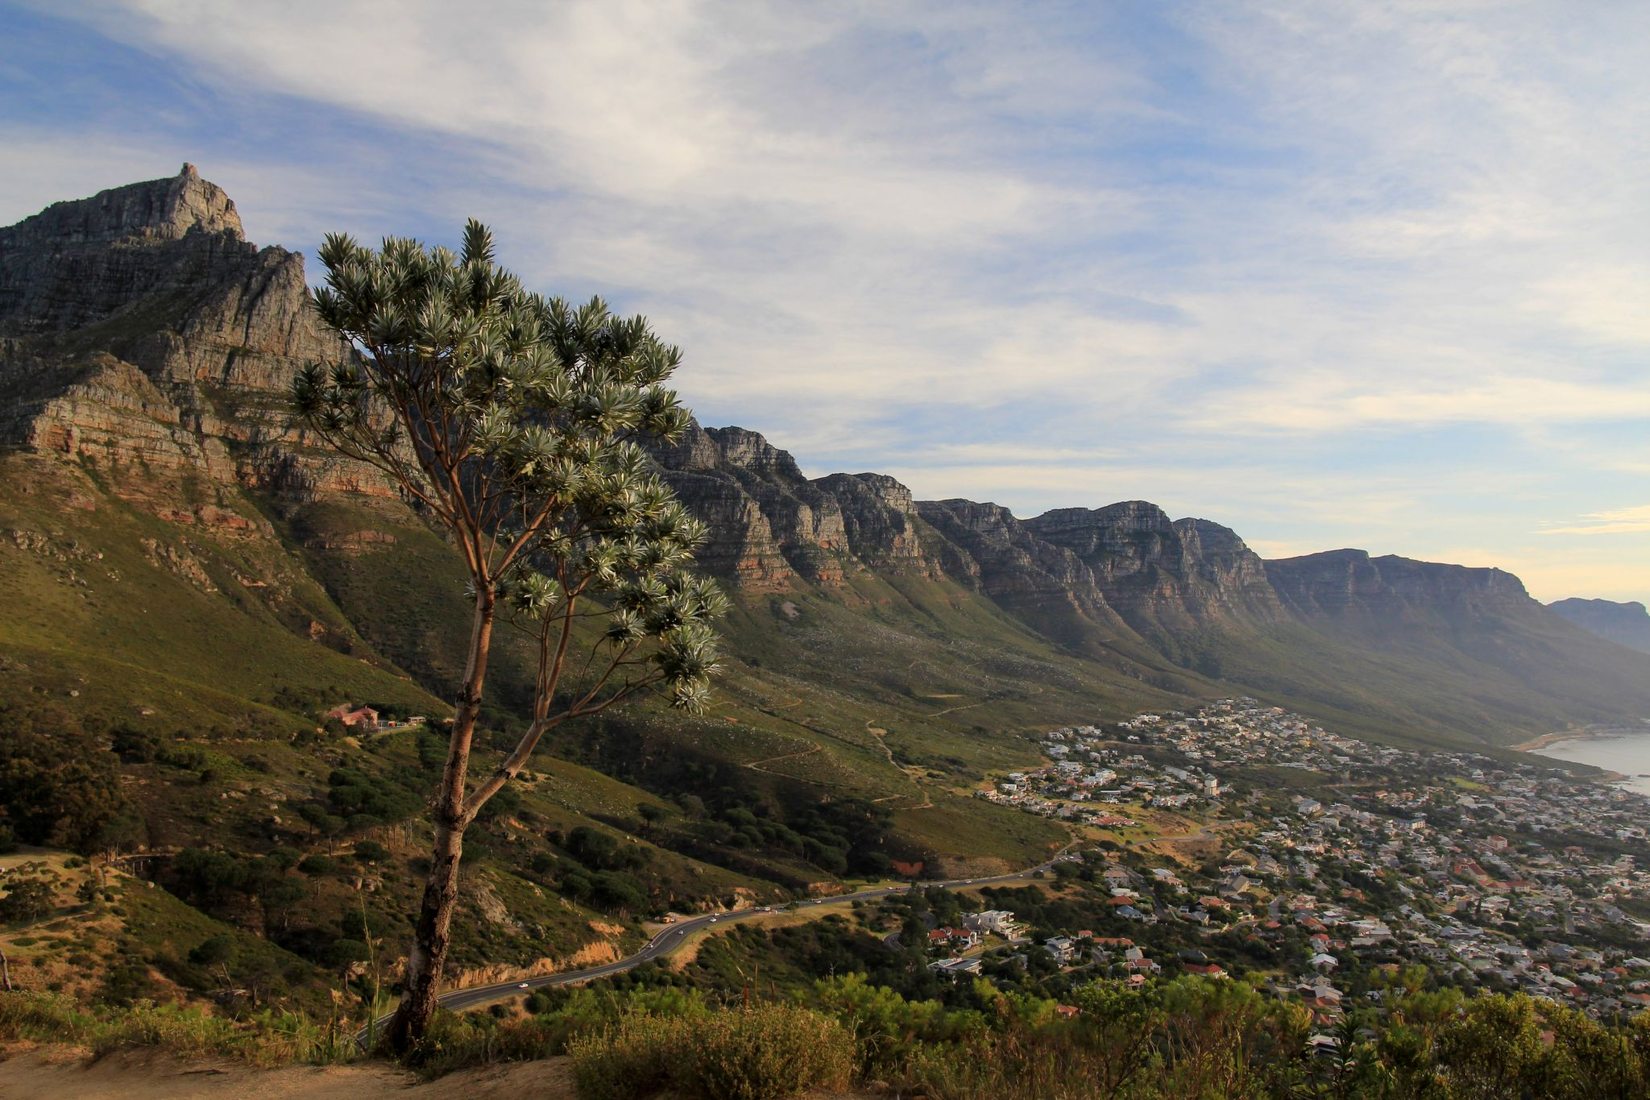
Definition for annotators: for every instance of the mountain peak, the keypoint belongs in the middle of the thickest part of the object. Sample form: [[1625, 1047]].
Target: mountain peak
[[154, 210], [79, 262]]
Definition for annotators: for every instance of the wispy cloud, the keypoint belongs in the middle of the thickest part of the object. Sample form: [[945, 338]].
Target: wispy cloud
[[1620, 521]]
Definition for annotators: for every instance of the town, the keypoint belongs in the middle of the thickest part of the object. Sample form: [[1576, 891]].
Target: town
[[1239, 838]]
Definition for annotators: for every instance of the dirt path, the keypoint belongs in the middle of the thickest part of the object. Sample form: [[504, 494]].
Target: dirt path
[[1035, 689], [878, 734], [756, 765], [53, 1073], [150, 1075]]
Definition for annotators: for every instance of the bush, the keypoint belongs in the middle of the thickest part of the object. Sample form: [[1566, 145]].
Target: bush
[[370, 851], [456, 1042], [759, 1053], [769, 1051], [266, 1039], [317, 865], [636, 1059]]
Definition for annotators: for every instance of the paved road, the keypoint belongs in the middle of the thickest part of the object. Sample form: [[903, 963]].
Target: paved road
[[668, 940]]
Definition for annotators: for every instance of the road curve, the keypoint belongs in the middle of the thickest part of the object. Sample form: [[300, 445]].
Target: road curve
[[666, 942]]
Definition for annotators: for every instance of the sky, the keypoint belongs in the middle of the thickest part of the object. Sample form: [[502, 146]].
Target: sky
[[1330, 273]]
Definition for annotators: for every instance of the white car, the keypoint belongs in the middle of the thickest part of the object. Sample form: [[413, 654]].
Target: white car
[[523, 985]]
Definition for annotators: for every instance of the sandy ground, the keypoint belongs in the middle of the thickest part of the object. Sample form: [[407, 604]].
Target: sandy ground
[[55, 1073], [32, 1072]]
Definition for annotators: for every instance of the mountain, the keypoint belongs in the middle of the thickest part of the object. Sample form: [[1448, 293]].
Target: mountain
[[1625, 623], [880, 645]]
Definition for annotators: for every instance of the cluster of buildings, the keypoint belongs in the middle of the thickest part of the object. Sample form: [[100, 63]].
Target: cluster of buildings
[[1090, 783], [1343, 862]]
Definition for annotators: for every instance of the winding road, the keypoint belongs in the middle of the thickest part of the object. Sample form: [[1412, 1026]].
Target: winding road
[[668, 940]]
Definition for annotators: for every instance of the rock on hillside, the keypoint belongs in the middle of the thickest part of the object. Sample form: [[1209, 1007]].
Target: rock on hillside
[[142, 334]]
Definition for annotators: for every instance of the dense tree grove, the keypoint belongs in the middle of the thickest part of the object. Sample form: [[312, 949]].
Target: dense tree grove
[[58, 784]]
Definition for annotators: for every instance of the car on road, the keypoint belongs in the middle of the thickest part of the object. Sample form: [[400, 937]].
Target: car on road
[[523, 985]]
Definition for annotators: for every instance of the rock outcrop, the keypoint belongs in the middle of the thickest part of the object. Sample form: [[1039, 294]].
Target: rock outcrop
[[141, 334], [1042, 584]]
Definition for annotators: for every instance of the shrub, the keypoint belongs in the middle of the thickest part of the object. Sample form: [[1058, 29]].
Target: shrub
[[370, 851], [270, 1038], [635, 1059], [758, 1053], [768, 1051], [316, 865], [456, 1042]]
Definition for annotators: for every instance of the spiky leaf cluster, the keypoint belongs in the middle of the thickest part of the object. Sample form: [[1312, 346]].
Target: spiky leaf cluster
[[512, 419]]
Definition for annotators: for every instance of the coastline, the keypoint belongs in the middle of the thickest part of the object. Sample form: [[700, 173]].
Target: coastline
[[1536, 744], [1632, 780], [1577, 733]]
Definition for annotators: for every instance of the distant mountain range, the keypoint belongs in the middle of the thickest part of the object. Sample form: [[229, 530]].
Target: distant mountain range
[[146, 349], [1627, 623]]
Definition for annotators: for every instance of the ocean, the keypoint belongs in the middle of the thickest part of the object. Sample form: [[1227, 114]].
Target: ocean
[[1627, 753]]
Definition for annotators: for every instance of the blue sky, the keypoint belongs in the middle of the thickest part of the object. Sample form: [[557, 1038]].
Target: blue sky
[[1333, 274]]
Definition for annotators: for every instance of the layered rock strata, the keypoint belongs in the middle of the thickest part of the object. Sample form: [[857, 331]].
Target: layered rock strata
[[140, 328]]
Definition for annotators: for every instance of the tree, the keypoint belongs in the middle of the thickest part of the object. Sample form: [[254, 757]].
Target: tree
[[26, 900], [511, 421]]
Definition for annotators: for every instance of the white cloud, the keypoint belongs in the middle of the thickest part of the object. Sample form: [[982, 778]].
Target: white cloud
[[1619, 521], [1007, 253]]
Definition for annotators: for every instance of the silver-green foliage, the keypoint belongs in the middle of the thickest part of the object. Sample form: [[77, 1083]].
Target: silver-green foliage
[[513, 420]]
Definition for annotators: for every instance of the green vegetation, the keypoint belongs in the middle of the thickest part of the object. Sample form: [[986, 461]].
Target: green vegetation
[[765, 1052], [58, 787], [262, 1039], [1170, 1040]]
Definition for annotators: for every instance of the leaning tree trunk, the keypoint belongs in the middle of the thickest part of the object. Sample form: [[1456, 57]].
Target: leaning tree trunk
[[433, 933]]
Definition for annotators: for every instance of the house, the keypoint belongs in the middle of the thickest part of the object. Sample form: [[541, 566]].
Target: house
[[355, 717], [955, 967], [961, 938], [1000, 921]]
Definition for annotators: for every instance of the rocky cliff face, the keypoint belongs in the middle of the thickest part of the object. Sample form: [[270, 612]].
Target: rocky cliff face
[[1627, 624], [771, 526], [1161, 573], [140, 329], [1349, 584], [1045, 585]]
